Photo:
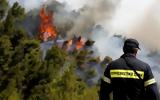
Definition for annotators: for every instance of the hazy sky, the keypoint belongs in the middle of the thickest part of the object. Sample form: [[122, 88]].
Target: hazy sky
[[30, 4]]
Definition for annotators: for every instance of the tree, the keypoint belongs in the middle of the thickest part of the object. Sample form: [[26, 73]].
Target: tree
[[3, 8], [5, 51], [24, 75], [15, 15]]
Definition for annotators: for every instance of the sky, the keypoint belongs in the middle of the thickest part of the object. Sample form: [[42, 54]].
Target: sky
[[31, 4], [28, 4]]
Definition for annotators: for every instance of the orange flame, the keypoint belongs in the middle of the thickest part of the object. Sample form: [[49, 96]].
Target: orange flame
[[70, 42], [80, 43], [67, 44], [46, 29]]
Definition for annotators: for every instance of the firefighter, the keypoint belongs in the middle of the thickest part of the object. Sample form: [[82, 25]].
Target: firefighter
[[128, 78]]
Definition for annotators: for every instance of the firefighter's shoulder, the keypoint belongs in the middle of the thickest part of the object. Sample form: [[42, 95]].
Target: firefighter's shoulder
[[117, 63], [148, 76], [144, 65]]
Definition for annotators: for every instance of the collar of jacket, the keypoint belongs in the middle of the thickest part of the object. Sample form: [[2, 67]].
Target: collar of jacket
[[128, 55]]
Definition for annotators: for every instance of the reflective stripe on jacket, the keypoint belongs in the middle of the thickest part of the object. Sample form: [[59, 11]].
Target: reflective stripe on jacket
[[121, 82]]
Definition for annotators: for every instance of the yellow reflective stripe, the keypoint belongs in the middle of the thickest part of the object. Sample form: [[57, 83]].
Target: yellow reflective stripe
[[149, 82], [126, 74], [106, 79]]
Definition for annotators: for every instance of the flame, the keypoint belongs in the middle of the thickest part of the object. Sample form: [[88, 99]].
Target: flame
[[80, 43], [70, 42], [67, 45], [46, 28]]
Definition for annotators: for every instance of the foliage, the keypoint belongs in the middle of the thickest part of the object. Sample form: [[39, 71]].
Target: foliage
[[3, 8], [24, 75]]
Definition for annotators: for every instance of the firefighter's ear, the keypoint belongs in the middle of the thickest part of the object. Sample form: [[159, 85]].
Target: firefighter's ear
[[135, 50]]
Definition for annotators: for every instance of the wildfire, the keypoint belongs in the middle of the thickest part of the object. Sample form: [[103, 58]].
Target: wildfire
[[67, 45], [74, 44], [70, 42], [80, 43], [46, 29]]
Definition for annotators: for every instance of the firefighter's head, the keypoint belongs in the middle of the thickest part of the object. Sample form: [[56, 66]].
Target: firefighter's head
[[131, 46]]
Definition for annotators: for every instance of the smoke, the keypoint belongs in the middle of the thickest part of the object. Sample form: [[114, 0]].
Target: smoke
[[131, 18], [100, 20], [94, 12], [148, 29], [139, 19], [88, 13]]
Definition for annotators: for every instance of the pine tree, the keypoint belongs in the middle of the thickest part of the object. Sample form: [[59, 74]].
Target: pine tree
[[24, 75], [3, 8]]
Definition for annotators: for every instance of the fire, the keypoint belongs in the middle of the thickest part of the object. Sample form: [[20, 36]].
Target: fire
[[70, 42], [80, 43], [74, 44], [67, 45], [46, 29]]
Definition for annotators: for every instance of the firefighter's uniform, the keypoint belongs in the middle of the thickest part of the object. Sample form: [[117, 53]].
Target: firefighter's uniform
[[121, 83]]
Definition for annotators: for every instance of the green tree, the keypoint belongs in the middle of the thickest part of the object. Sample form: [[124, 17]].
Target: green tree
[[15, 15], [49, 74], [5, 52], [24, 75], [3, 8], [22, 72]]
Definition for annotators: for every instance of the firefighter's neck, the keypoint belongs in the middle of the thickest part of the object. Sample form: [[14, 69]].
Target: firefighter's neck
[[135, 54], [132, 54]]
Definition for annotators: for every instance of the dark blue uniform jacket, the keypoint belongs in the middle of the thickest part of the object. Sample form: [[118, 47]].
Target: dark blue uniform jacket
[[120, 82]]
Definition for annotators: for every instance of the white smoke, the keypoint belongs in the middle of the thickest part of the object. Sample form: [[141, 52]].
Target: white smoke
[[139, 19], [33, 4], [148, 30], [132, 18], [92, 13], [74, 4]]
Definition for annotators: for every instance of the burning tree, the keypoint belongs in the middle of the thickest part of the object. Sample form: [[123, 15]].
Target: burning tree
[[26, 76], [46, 29], [80, 43]]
